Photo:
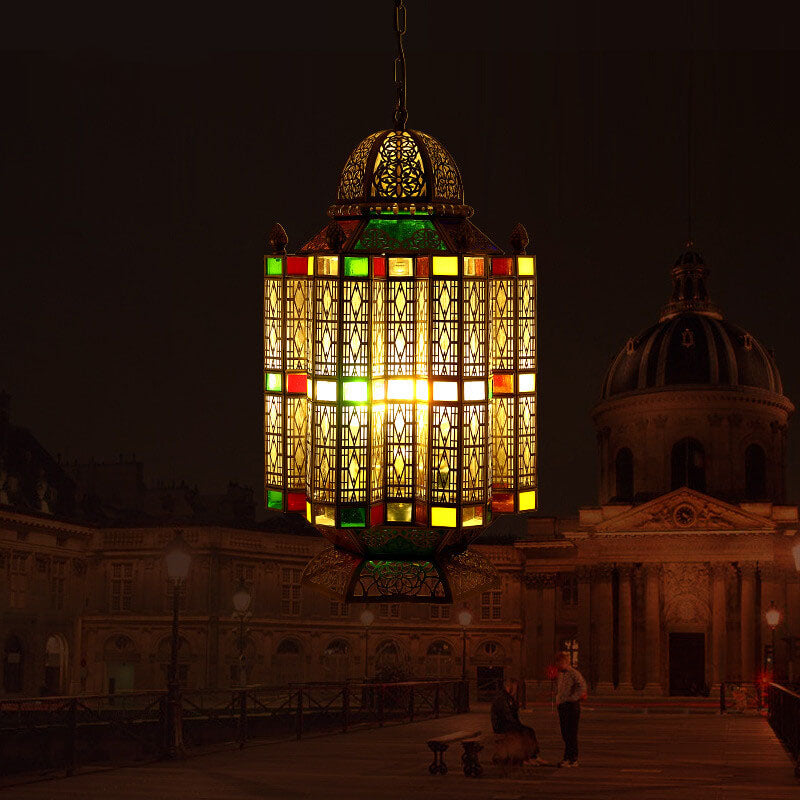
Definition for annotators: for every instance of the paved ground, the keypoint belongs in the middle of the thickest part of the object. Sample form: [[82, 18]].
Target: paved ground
[[623, 755]]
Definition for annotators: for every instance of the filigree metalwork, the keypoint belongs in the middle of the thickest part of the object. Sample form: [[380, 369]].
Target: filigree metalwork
[[447, 184], [380, 239], [469, 572], [398, 171], [400, 542], [351, 182], [399, 580], [331, 571]]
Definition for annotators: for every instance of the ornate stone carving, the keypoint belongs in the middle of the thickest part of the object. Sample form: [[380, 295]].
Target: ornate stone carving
[[540, 580], [686, 594]]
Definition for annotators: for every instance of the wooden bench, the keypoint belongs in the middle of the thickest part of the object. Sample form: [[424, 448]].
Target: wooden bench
[[470, 740]]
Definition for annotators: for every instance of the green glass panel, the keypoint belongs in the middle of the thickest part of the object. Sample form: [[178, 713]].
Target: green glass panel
[[412, 234], [274, 266], [275, 500], [354, 517], [273, 381], [356, 267]]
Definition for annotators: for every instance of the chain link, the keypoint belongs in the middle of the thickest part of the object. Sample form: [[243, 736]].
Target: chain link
[[400, 112]]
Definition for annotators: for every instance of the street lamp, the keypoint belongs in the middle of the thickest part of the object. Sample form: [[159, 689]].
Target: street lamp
[[367, 618], [464, 620], [241, 605], [773, 618], [177, 559]]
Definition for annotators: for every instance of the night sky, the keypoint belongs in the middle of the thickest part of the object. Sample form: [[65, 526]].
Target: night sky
[[145, 160]]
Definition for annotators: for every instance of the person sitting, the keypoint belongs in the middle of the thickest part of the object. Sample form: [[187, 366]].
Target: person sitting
[[516, 743]]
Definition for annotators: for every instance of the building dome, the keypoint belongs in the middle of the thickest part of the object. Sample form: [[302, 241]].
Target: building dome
[[400, 169], [691, 345]]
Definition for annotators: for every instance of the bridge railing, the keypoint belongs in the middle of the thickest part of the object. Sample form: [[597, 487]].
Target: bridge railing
[[783, 713], [740, 697], [60, 734]]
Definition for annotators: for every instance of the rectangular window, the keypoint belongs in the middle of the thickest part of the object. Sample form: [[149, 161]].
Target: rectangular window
[[389, 610], [121, 586], [490, 606], [440, 612], [19, 580], [339, 609], [569, 591], [247, 573], [290, 591], [58, 572]]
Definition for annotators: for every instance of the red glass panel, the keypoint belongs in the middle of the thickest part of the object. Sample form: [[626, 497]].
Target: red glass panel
[[502, 384], [502, 266], [296, 501], [297, 265], [296, 383], [376, 514], [423, 267], [378, 266], [503, 502], [421, 514]]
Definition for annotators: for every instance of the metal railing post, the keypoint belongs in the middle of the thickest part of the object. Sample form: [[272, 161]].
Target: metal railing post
[[345, 706], [242, 727], [72, 734], [436, 700], [411, 703], [722, 697], [299, 716], [380, 704]]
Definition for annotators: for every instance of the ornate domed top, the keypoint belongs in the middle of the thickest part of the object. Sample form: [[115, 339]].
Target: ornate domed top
[[400, 170], [691, 345]]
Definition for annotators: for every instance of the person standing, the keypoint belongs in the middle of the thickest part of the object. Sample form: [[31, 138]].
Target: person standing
[[570, 690]]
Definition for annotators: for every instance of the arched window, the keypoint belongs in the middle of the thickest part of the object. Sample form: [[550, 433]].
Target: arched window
[[755, 473], [623, 468], [440, 660], [287, 664], [390, 663], [12, 664], [689, 465], [336, 660], [55, 665]]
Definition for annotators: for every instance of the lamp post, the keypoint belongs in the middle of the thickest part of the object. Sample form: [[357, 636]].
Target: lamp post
[[367, 618], [773, 618], [177, 559], [241, 605], [464, 620]]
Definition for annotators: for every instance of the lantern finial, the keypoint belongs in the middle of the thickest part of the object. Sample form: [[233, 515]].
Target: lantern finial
[[519, 239], [336, 237], [278, 239]]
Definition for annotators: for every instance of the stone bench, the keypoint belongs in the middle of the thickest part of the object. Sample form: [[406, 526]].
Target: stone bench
[[470, 741]]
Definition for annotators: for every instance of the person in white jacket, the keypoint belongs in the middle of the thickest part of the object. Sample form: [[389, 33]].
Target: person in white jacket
[[570, 690]]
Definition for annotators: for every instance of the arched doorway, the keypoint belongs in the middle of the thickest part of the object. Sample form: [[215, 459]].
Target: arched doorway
[[440, 660], [390, 662], [55, 665], [336, 661], [287, 665], [13, 662], [121, 657], [489, 659]]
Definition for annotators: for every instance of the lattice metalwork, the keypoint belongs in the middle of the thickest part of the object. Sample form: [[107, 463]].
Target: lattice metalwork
[[444, 327], [355, 329], [296, 441], [503, 442], [502, 322], [446, 176], [474, 454], [324, 446], [273, 423], [526, 442], [474, 316], [399, 171], [351, 183], [296, 324], [526, 321], [273, 325], [326, 326], [444, 454], [400, 328], [400, 451], [411, 581]]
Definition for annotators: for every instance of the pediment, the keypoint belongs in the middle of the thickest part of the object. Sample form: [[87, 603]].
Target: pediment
[[685, 511]]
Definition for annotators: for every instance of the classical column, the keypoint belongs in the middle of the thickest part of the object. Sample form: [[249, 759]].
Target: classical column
[[718, 624], [652, 615], [748, 619], [625, 642], [530, 642], [548, 642], [584, 576], [603, 619]]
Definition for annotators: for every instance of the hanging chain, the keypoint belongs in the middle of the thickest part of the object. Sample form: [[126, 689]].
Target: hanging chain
[[400, 112]]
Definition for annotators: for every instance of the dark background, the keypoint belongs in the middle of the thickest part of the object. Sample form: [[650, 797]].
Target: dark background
[[145, 157]]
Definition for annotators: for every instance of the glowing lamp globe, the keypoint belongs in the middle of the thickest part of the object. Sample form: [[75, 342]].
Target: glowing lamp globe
[[400, 377], [367, 617], [178, 558], [241, 598], [773, 616], [464, 618]]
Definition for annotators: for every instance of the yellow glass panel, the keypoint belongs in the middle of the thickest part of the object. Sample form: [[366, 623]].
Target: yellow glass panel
[[445, 390], [310, 388], [324, 515], [527, 500], [398, 512], [308, 512], [443, 517], [327, 265], [423, 389], [474, 390], [471, 516], [355, 391], [378, 391], [400, 389], [526, 265], [399, 267], [527, 382], [311, 265], [326, 390], [445, 265]]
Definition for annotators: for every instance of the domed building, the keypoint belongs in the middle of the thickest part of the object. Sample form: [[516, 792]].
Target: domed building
[[663, 587]]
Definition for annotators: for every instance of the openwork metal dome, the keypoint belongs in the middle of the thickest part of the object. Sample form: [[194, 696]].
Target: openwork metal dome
[[400, 170], [691, 345]]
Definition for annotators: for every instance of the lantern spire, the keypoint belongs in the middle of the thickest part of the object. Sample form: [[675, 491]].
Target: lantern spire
[[400, 112]]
